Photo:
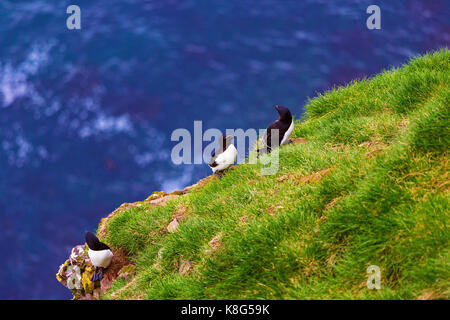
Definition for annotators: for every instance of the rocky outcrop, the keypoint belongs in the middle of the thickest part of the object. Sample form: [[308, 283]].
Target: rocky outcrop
[[76, 272]]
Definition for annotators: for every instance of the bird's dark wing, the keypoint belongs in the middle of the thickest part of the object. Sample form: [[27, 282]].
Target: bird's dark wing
[[103, 246], [94, 243], [267, 138], [281, 131]]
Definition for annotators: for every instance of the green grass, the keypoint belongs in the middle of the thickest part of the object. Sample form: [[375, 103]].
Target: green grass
[[384, 201]]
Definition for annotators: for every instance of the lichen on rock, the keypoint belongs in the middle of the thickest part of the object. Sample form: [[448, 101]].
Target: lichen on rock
[[76, 273]]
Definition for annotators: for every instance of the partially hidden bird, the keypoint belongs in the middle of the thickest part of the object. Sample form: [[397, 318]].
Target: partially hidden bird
[[224, 156]]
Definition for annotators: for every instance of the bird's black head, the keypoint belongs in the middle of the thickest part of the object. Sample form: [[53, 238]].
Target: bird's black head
[[93, 242], [227, 140], [285, 114]]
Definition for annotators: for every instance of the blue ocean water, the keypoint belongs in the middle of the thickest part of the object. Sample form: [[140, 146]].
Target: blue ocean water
[[86, 115]]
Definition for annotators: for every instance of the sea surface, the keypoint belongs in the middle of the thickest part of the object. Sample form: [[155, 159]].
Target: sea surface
[[86, 115]]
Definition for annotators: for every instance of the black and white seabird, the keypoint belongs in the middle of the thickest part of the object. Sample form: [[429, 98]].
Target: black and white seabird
[[223, 157], [285, 125], [99, 253]]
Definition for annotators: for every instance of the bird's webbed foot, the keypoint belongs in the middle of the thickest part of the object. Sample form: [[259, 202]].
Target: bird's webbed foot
[[94, 276], [100, 275], [97, 275]]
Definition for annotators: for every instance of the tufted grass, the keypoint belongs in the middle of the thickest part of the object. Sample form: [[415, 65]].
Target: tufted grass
[[305, 233]]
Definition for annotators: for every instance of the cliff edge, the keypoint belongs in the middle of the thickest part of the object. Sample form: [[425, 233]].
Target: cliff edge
[[365, 183]]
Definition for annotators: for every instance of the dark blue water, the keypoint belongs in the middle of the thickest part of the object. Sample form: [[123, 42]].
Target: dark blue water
[[86, 115]]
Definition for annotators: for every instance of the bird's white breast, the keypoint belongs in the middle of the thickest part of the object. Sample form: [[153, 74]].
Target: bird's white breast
[[100, 258], [288, 133], [225, 159]]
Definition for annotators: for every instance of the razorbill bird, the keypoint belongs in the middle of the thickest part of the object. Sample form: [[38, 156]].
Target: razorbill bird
[[99, 254], [285, 125], [223, 157]]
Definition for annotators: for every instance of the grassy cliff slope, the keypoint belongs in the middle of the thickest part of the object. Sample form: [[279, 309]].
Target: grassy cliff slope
[[370, 186]]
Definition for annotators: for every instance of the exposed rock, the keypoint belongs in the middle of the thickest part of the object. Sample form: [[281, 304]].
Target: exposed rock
[[332, 259], [185, 267], [216, 242], [221, 200], [160, 252], [314, 177], [177, 192], [243, 220], [299, 141], [163, 199], [274, 192], [339, 147], [173, 225], [430, 295], [374, 146], [180, 213], [157, 266], [373, 152], [403, 124], [332, 203], [77, 271], [319, 221], [372, 143], [156, 195], [189, 188], [200, 184], [274, 210], [283, 178]]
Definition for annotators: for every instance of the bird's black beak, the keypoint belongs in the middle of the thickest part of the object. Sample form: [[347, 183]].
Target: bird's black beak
[[277, 108]]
